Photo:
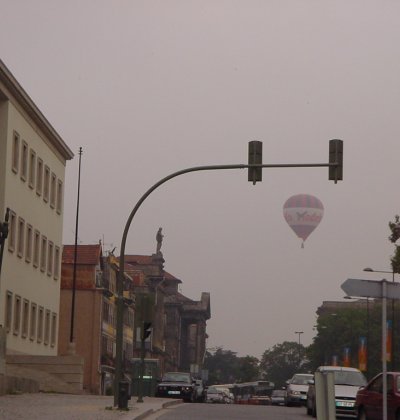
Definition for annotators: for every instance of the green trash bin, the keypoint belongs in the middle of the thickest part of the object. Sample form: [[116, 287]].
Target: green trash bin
[[151, 372]]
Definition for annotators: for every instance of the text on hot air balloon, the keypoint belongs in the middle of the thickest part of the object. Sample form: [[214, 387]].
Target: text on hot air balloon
[[303, 217]]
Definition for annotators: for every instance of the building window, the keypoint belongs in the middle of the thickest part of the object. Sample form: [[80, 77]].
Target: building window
[[24, 161], [105, 311], [39, 176], [8, 311], [53, 190], [21, 237], [32, 168], [47, 327], [53, 329], [43, 253], [36, 248], [59, 196], [15, 152], [46, 186], [12, 232], [28, 243], [32, 328], [40, 324], [57, 255], [17, 314], [25, 318], [50, 257]]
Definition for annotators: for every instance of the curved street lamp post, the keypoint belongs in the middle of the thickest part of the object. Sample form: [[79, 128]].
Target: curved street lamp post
[[335, 166]]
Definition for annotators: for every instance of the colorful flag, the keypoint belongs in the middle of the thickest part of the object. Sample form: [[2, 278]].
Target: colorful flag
[[362, 354], [346, 357], [389, 340]]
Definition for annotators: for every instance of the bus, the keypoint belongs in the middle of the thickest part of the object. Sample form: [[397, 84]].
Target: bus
[[257, 392]]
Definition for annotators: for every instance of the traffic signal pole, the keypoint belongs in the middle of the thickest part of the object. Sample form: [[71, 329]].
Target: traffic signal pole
[[335, 165], [141, 368]]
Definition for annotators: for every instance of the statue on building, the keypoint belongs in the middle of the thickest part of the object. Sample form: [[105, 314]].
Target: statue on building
[[159, 238]]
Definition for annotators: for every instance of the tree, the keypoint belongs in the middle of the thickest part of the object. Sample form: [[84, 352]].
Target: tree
[[248, 369], [342, 329], [394, 236], [224, 367], [282, 361]]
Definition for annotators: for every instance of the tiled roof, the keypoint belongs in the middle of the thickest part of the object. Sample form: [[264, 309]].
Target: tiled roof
[[169, 277], [86, 254], [139, 259], [136, 275]]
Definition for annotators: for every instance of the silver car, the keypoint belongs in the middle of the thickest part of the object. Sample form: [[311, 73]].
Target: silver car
[[347, 382], [296, 389], [215, 395]]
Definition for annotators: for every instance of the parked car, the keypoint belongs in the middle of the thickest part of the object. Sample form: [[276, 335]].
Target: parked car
[[229, 397], [347, 382], [278, 397], [176, 385], [370, 398], [297, 387], [199, 390], [216, 395]]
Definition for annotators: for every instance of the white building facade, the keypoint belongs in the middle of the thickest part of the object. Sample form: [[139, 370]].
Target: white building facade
[[32, 170]]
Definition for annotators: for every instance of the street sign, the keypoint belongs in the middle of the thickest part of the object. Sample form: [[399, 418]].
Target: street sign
[[370, 288]]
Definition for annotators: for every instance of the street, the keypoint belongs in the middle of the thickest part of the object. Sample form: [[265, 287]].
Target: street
[[230, 411]]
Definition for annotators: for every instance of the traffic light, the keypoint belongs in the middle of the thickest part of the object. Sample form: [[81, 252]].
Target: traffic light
[[146, 331], [255, 157], [336, 159]]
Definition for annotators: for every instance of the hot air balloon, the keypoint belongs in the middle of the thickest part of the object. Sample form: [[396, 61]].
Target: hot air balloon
[[303, 212]]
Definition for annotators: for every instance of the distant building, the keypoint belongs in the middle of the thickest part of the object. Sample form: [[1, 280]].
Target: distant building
[[179, 333], [32, 170], [178, 337], [332, 306], [94, 331]]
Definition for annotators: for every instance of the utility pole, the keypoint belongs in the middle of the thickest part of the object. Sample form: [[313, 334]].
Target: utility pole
[[299, 348], [71, 333]]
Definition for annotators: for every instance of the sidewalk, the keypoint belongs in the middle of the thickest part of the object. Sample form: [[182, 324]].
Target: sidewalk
[[76, 407]]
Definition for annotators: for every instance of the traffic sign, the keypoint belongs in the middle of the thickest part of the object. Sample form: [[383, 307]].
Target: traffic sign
[[371, 288]]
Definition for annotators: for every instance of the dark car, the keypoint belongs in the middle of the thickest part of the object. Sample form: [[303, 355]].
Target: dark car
[[369, 399], [177, 385], [278, 397]]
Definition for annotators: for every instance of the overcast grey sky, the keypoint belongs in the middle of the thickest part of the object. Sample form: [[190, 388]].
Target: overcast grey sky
[[151, 87]]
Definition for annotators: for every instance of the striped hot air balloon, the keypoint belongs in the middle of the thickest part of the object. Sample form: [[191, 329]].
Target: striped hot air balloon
[[303, 212]]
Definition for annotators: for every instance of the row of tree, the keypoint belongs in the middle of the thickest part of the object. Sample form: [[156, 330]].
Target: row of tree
[[277, 364], [337, 331]]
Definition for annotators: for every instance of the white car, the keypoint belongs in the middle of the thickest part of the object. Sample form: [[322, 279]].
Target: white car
[[296, 389], [347, 383], [215, 395]]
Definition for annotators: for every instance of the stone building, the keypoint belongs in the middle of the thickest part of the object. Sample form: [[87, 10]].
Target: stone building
[[32, 169], [179, 333]]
